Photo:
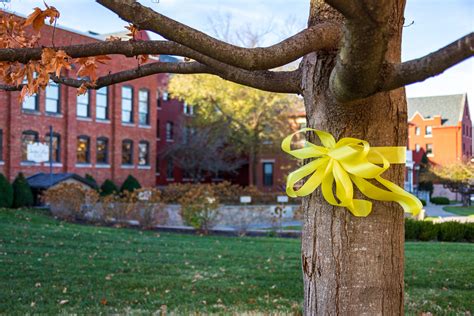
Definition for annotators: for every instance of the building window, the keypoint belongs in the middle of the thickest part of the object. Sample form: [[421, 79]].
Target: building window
[[101, 101], [83, 105], [267, 173], [143, 153], [83, 150], [169, 169], [30, 103], [56, 140], [1, 145], [165, 95], [429, 149], [102, 153], [143, 107], [428, 131], [169, 130], [52, 97], [417, 148], [27, 138], [417, 131], [188, 109], [158, 100], [127, 152], [186, 135], [127, 104], [158, 129]]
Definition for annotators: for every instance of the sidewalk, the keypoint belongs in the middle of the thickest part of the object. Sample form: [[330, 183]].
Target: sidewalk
[[433, 210]]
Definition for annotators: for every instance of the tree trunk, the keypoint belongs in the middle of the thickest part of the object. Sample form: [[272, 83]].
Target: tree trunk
[[354, 266], [254, 164]]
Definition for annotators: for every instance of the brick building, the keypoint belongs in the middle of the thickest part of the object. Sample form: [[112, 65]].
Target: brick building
[[109, 133], [441, 128]]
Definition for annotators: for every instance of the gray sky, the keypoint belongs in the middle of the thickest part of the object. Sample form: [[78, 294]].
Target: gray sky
[[436, 23]]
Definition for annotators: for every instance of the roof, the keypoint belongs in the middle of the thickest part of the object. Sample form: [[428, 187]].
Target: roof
[[449, 107], [42, 180]]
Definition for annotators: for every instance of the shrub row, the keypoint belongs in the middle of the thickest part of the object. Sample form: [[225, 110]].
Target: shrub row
[[18, 194], [447, 231], [227, 193], [439, 200]]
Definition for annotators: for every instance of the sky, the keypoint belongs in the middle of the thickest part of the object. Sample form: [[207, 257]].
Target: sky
[[430, 25]]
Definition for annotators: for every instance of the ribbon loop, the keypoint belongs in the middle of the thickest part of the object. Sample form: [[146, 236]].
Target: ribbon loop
[[346, 163]]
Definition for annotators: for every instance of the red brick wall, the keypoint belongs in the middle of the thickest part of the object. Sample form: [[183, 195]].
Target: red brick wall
[[13, 121], [171, 110]]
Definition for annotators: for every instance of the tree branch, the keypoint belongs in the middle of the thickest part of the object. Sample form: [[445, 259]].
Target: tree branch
[[281, 82], [430, 65], [126, 48], [361, 58], [324, 36]]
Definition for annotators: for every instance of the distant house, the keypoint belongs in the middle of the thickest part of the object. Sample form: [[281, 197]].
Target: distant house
[[441, 128]]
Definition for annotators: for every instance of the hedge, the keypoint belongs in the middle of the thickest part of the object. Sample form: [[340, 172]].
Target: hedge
[[108, 188], [130, 184], [447, 231], [439, 200], [22, 195], [6, 192]]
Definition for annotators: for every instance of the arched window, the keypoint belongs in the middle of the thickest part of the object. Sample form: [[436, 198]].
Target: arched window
[[56, 140], [27, 138], [127, 152], [83, 150], [102, 151], [143, 153]]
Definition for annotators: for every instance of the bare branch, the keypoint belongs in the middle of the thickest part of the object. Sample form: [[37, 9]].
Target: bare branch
[[430, 65], [5, 87], [281, 81], [126, 48], [324, 36]]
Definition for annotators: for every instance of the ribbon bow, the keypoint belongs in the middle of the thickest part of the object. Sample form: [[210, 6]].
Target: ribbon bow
[[347, 162]]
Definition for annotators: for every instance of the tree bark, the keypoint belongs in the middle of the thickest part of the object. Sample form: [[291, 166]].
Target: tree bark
[[353, 266]]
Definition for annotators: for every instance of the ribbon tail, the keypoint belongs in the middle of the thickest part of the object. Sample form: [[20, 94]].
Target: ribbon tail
[[311, 184], [409, 203]]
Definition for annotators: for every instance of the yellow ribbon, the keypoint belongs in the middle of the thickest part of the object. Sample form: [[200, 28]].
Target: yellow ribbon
[[348, 161]]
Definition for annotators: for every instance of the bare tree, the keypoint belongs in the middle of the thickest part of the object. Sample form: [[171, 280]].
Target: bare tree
[[204, 151], [351, 79]]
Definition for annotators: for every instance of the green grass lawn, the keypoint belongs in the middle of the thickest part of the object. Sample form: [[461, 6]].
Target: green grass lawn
[[52, 267], [460, 210]]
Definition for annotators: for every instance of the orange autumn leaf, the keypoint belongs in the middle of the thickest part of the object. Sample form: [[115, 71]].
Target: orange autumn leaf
[[36, 19], [133, 30], [142, 59], [113, 38], [89, 66], [82, 89], [54, 61]]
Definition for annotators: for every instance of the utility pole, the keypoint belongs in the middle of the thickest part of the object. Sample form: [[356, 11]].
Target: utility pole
[[50, 155]]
